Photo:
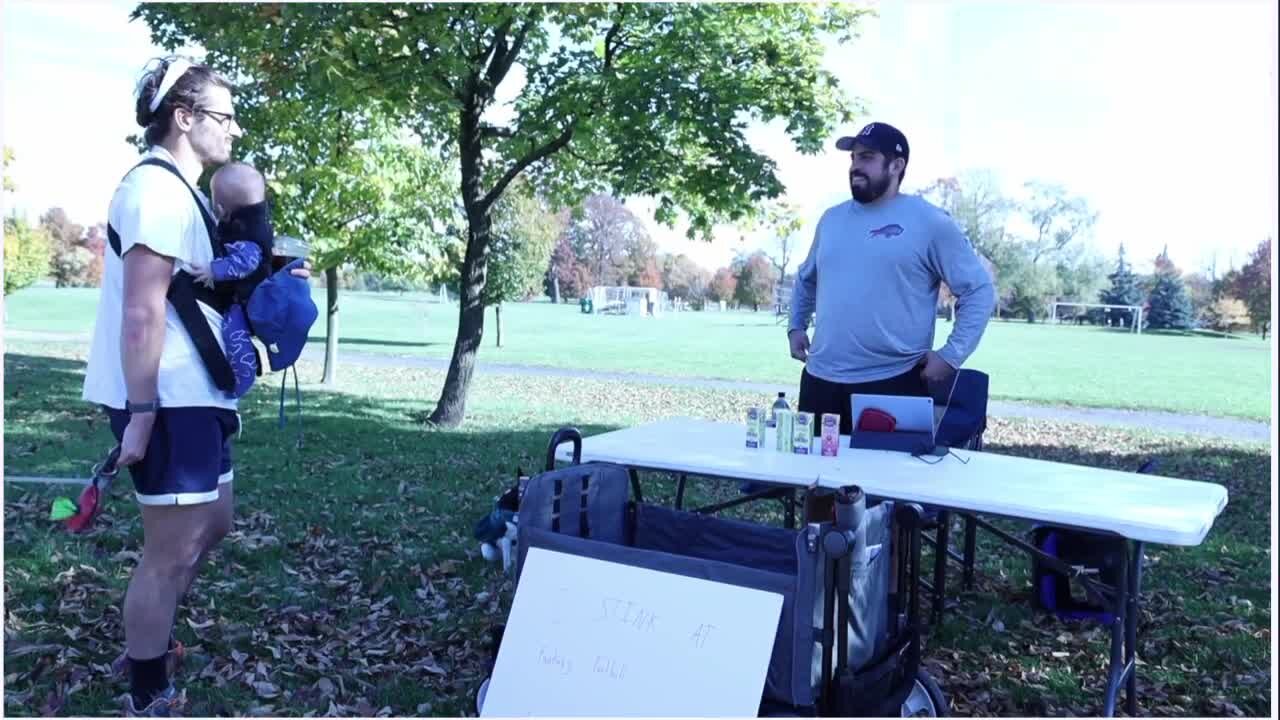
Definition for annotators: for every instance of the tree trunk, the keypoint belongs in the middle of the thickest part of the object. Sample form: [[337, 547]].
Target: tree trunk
[[331, 330], [451, 407], [497, 322], [555, 289]]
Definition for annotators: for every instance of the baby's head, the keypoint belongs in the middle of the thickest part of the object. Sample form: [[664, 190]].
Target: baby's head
[[236, 185]]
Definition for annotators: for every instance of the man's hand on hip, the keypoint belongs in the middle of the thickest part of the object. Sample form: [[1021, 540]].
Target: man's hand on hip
[[799, 340], [935, 368]]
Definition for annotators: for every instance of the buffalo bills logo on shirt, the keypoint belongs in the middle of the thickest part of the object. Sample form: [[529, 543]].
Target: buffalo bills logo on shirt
[[887, 231]]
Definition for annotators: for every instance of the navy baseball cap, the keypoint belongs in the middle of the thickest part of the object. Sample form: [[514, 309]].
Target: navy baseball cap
[[878, 136]]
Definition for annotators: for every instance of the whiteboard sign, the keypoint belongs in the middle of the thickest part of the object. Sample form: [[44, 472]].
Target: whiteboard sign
[[589, 637]]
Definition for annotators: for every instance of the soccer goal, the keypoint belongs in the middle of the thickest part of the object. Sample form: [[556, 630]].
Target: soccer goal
[[1135, 312], [615, 300]]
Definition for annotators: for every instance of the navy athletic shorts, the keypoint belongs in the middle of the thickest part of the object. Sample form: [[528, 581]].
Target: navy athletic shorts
[[188, 457]]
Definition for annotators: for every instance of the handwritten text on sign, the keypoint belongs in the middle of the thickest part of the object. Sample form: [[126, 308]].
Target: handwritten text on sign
[[589, 637]]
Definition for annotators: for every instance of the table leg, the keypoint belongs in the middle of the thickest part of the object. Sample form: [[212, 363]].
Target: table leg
[[940, 548], [635, 485], [1120, 630], [970, 550], [680, 490], [1131, 630]]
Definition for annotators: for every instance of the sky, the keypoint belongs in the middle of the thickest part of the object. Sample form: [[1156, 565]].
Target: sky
[[1162, 115]]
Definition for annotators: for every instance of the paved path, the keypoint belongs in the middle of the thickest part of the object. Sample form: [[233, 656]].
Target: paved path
[[47, 480], [1207, 425]]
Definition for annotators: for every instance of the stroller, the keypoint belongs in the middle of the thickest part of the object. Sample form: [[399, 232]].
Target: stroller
[[848, 641]]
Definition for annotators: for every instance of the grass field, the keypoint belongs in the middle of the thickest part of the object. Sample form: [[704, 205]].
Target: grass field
[[1055, 365], [351, 584]]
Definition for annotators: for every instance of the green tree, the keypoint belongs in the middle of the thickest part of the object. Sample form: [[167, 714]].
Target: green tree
[[685, 279], [72, 261], [1170, 306], [1226, 314], [1056, 220], [1081, 276], [1252, 284], [605, 234], [9, 185], [344, 175], [1200, 290], [524, 230], [781, 221], [379, 208], [756, 281], [27, 250], [1125, 290], [1026, 285], [95, 241], [724, 284], [567, 275], [635, 99], [640, 266], [974, 200]]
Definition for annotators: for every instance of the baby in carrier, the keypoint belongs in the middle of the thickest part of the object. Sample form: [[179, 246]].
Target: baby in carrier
[[244, 227]]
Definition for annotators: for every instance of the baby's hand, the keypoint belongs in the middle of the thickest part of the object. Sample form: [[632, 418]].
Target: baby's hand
[[202, 274]]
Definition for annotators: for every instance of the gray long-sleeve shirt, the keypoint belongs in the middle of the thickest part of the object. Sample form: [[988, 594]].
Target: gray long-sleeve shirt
[[872, 274]]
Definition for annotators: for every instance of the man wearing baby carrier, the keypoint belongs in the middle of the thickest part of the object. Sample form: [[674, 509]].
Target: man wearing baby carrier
[[149, 366]]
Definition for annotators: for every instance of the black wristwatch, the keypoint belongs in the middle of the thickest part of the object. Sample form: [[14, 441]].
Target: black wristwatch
[[144, 407]]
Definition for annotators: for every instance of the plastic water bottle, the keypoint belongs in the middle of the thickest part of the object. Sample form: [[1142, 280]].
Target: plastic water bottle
[[779, 404]]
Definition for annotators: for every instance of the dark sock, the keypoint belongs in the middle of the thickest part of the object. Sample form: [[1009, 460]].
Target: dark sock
[[146, 680]]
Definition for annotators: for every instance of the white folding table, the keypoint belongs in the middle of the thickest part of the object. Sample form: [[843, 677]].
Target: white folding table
[[1134, 508]]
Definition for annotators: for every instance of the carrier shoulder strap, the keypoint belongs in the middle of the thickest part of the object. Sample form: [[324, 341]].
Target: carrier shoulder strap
[[210, 225], [184, 292]]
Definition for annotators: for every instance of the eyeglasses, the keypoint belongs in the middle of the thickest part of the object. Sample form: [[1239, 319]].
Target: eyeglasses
[[224, 120]]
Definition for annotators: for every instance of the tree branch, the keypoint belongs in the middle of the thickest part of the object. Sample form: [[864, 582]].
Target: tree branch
[[601, 164], [612, 42], [492, 131], [543, 152], [504, 55], [344, 224], [499, 37]]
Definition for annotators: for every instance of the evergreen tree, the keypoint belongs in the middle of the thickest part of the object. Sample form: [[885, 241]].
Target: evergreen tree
[[1170, 303], [1124, 290]]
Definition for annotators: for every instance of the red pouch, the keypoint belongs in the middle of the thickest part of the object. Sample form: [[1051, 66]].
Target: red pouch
[[876, 420]]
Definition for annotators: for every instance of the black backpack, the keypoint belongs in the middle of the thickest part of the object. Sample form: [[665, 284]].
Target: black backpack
[[1097, 553]]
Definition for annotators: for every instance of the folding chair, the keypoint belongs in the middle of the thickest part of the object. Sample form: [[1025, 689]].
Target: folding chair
[[961, 428]]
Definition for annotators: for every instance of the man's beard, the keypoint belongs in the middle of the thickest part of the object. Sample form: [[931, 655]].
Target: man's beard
[[211, 149], [870, 190]]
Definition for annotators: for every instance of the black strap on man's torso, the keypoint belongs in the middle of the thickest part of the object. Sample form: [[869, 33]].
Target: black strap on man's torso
[[184, 291]]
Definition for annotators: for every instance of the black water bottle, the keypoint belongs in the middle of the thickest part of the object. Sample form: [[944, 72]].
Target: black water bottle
[[779, 404]]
